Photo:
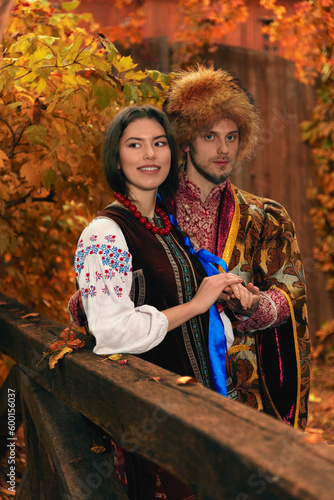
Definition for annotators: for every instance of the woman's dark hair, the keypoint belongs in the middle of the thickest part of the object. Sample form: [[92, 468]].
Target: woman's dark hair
[[113, 174]]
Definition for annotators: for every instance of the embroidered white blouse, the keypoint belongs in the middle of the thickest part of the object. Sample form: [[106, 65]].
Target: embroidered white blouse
[[103, 268]]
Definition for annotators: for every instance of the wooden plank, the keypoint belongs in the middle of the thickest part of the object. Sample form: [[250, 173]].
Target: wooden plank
[[41, 482], [220, 448], [66, 440], [9, 387]]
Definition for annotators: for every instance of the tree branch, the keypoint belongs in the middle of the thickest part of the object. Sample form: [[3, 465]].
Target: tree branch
[[49, 198]]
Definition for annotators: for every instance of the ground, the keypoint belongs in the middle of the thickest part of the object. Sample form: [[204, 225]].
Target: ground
[[320, 423], [321, 406]]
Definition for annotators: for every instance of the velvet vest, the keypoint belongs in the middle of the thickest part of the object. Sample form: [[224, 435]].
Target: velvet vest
[[165, 275]]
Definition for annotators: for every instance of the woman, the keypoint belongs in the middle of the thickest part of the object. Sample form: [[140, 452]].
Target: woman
[[142, 292]]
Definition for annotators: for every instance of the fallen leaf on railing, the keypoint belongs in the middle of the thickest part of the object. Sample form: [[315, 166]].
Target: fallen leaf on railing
[[55, 357], [123, 362], [67, 334], [57, 350], [30, 315], [97, 449], [75, 460], [56, 346], [186, 380], [115, 357], [157, 379], [75, 344]]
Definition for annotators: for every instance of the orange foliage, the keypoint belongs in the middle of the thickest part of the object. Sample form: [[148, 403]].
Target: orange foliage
[[324, 351], [60, 85], [201, 23], [306, 36]]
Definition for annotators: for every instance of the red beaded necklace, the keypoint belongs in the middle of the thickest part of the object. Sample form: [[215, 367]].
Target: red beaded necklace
[[143, 220]]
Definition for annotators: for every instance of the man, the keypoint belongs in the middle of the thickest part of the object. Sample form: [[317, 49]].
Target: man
[[216, 125]]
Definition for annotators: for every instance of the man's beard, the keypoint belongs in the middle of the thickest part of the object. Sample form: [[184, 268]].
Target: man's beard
[[214, 178]]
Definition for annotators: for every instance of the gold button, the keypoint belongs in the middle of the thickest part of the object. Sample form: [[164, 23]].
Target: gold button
[[186, 206], [190, 234], [187, 219]]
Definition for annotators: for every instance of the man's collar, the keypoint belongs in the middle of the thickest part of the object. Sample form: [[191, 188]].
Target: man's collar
[[188, 187]]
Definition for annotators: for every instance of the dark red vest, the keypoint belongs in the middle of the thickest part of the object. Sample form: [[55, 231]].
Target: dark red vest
[[165, 275]]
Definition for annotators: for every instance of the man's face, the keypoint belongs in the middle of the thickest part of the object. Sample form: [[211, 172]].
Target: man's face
[[213, 153]]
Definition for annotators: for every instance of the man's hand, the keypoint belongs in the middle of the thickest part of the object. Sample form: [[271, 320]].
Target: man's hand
[[241, 299]]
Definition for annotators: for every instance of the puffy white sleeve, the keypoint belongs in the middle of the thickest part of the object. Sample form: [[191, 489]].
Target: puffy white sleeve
[[104, 275]]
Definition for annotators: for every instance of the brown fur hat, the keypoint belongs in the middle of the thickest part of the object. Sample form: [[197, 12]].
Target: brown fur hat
[[202, 96]]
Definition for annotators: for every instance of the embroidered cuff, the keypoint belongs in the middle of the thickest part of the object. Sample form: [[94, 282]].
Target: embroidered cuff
[[273, 310]]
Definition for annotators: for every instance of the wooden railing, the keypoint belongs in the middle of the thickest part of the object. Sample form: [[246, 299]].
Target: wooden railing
[[220, 448]]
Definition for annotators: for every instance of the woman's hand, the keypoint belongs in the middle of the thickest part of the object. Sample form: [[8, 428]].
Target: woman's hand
[[241, 299], [207, 294], [212, 288]]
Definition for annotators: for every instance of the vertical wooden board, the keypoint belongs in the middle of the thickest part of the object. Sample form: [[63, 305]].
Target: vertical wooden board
[[262, 160], [294, 184], [256, 83], [271, 136], [250, 67], [159, 53], [160, 18]]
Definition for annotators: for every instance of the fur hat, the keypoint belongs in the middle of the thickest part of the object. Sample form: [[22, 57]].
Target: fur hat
[[202, 96]]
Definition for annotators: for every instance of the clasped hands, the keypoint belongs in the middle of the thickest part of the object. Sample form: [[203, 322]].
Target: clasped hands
[[241, 299], [229, 290]]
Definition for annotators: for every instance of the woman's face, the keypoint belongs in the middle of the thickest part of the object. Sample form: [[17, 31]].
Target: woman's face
[[144, 155]]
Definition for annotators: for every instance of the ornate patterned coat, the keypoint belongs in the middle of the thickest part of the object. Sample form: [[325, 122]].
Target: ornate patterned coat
[[270, 366], [261, 246]]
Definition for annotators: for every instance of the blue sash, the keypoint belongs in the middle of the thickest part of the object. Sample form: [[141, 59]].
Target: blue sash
[[217, 338]]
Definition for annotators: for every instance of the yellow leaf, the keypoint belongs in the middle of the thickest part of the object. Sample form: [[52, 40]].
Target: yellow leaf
[[70, 53], [186, 380], [38, 56], [41, 85], [72, 81], [115, 357], [68, 6], [100, 63], [125, 64], [157, 379], [54, 358]]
